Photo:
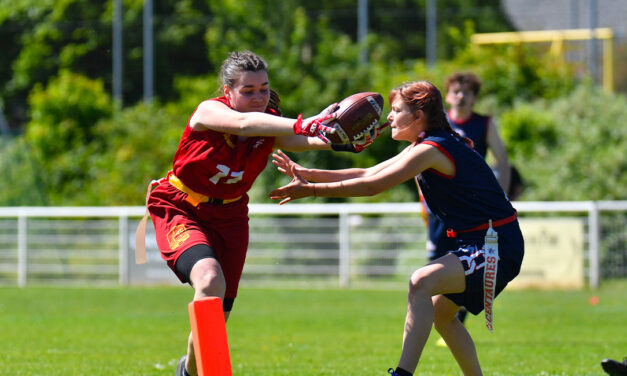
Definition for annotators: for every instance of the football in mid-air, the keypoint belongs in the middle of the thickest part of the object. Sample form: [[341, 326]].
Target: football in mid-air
[[356, 116]]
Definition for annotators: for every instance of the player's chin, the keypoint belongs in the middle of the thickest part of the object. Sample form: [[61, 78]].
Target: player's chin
[[395, 134]]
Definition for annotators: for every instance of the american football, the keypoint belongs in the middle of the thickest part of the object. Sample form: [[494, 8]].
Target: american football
[[357, 115]]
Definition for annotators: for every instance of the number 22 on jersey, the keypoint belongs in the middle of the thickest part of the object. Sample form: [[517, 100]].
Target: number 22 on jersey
[[225, 172]]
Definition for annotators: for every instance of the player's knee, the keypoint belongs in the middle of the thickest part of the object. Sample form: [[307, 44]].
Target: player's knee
[[210, 283], [418, 283]]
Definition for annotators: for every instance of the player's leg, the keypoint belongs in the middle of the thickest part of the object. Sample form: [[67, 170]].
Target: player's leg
[[455, 335], [212, 278], [439, 244], [445, 275], [203, 271]]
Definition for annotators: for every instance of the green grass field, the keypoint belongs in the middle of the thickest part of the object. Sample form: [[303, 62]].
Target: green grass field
[[142, 331]]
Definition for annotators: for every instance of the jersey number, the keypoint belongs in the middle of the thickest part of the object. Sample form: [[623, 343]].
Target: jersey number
[[225, 171]]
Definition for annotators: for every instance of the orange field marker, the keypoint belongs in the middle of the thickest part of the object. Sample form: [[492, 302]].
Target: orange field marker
[[209, 334]]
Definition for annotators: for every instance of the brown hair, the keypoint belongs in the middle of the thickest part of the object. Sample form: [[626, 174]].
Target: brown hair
[[425, 96], [239, 62], [246, 61], [464, 78]]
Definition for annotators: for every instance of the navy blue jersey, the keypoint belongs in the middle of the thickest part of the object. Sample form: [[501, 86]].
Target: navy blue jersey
[[467, 199], [475, 128], [472, 195]]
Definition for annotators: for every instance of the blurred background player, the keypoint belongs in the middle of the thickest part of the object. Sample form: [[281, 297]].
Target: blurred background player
[[459, 187], [200, 209], [462, 90]]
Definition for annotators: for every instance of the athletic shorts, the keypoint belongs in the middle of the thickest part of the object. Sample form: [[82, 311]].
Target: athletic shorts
[[471, 254], [179, 225]]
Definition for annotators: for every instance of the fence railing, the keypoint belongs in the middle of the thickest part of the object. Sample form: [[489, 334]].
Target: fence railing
[[338, 244]]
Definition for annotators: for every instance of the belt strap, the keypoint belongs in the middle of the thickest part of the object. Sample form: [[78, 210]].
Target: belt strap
[[140, 233], [451, 233], [196, 198], [193, 198]]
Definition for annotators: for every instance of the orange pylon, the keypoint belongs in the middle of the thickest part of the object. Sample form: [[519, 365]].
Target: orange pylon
[[209, 334]]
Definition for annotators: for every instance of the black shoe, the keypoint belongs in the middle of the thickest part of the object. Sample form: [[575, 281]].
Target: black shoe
[[614, 367], [180, 368]]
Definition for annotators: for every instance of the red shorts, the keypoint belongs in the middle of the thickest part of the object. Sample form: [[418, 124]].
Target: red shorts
[[179, 225]]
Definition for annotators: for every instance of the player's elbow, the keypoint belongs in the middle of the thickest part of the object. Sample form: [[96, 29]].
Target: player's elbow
[[245, 126]]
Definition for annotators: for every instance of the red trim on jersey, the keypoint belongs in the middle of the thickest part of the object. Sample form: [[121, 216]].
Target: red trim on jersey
[[223, 99], [460, 121], [446, 154]]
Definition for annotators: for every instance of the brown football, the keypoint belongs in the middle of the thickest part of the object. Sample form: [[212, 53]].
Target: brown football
[[357, 115]]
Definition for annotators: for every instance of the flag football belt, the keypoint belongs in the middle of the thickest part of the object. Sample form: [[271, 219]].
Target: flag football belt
[[491, 256], [451, 233], [196, 198], [193, 198]]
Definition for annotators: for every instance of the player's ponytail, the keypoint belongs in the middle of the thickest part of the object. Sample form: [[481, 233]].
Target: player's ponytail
[[274, 102]]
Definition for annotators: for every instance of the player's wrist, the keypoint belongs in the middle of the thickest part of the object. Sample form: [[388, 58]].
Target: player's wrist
[[298, 124]]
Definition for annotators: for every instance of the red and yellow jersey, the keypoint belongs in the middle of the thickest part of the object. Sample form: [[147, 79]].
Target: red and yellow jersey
[[221, 165]]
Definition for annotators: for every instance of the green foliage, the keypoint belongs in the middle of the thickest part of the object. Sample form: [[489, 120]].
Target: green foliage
[[571, 148], [63, 114], [55, 151], [23, 173], [134, 147], [529, 131], [518, 72]]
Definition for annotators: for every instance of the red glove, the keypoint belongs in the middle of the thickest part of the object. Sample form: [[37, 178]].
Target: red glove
[[313, 126], [359, 145]]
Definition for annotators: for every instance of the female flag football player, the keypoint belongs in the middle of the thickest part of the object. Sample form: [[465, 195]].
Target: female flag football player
[[200, 209], [462, 191]]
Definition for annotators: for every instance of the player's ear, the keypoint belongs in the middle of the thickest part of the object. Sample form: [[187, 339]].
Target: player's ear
[[419, 114]]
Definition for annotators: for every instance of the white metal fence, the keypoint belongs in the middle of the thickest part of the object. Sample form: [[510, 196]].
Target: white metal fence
[[327, 244]]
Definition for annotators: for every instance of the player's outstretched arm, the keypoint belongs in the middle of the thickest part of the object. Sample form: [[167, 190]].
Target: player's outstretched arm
[[500, 154], [287, 166], [217, 116], [409, 163]]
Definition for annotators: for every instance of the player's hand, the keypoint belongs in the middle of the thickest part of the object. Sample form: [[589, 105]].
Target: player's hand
[[368, 139], [297, 188], [285, 164], [316, 126], [363, 142]]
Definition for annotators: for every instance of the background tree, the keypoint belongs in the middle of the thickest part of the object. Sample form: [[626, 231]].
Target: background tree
[[72, 147]]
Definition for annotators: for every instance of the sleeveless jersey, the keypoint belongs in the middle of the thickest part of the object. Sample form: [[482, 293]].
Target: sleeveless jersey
[[221, 165], [475, 128], [470, 197]]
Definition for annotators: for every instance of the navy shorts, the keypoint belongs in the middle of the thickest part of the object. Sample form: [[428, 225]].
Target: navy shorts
[[471, 254]]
